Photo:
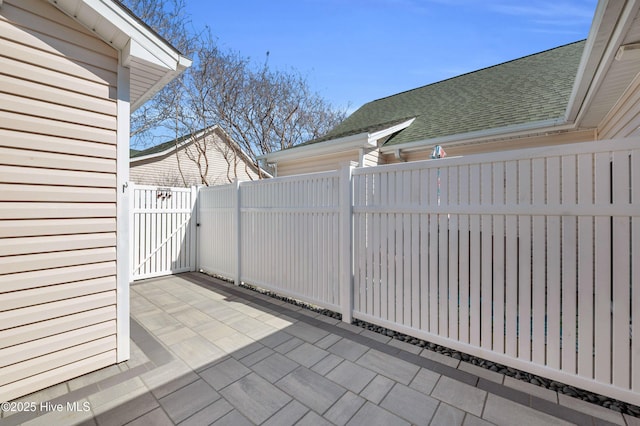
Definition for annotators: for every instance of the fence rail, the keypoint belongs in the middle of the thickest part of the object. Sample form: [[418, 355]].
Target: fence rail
[[530, 258]]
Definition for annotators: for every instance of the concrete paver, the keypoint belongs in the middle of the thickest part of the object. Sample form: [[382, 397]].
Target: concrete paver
[[501, 411], [255, 398], [351, 376], [446, 415], [410, 404], [460, 395], [311, 389], [206, 352]]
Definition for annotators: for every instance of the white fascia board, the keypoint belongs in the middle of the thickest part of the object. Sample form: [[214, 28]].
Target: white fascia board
[[361, 140], [480, 136], [373, 137]]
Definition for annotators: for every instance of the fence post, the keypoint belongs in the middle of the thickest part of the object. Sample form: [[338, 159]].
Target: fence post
[[238, 235], [193, 224], [346, 237], [131, 187]]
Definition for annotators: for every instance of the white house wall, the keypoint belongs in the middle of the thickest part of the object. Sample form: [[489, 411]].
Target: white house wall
[[57, 199]]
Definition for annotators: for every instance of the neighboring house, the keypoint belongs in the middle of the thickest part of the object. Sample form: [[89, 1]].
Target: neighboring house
[[209, 155], [579, 92], [71, 71]]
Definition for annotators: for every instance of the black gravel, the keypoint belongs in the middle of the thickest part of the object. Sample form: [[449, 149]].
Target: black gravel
[[612, 404]]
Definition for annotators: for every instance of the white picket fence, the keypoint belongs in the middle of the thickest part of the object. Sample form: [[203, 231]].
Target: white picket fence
[[529, 258], [163, 232]]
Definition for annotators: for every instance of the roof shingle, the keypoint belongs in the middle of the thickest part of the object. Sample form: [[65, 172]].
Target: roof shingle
[[530, 89]]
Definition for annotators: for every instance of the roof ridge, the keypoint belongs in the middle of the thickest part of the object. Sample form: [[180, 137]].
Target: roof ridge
[[474, 71]]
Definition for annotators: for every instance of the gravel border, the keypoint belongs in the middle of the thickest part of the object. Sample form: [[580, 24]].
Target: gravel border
[[604, 401]]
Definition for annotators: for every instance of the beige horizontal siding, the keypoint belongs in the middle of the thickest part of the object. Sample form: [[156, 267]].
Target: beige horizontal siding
[[623, 120], [48, 160], [371, 158], [15, 210], [42, 143], [43, 244], [59, 374], [38, 330], [37, 108], [26, 351], [67, 274], [35, 176], [52, 61], [55, 78], [25, 23], [55, 259], [58, 119], [63, 357], [165, 170], [34, 228], [53, 95], [46, 311], [32, 193], [318, 163], [51, 294], [34, 124]]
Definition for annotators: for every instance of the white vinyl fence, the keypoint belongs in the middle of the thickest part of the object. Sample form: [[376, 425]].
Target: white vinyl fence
[[163, 234], [288, 233], [529, 258]]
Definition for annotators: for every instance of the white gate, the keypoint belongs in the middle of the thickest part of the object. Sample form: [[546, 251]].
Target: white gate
[[163, 237]]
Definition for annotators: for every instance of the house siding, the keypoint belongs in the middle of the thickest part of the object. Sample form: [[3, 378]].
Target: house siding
[[623, 120], [57, 199], [318, 163], [166, 170]]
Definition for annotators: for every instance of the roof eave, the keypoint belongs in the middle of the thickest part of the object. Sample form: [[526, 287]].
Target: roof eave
[[139, 45], [346, 143], [361, 140], [610, 24], [514, 131]]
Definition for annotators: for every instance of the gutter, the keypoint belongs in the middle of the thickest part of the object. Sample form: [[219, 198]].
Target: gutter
[[488, 135]]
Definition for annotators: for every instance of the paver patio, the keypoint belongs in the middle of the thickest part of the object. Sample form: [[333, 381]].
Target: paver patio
[[207, 352]]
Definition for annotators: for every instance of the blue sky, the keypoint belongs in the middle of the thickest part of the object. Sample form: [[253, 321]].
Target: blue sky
[[356, 51]]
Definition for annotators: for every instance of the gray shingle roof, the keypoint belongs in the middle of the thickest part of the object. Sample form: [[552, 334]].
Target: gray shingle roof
[[530, 89]]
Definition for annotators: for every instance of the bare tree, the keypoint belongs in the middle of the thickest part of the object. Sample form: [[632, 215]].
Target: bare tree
[[263, 110], [155, 121]]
